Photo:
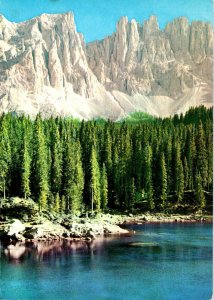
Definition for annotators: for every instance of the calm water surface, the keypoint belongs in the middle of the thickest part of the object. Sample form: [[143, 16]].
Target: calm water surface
[[162, 261]]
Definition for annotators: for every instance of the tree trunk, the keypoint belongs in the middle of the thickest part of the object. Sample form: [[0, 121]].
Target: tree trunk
[[92, 202], [4, 191]]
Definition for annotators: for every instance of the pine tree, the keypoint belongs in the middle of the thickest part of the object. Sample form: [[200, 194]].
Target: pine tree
[[179, 173], [137, 163], [202, 162], [57, 204], [147, 174], [40, 166], [116, 177], [132, 195], [5, 156], [56, 170], [95, 181], [104, 188], [125, 165], [168, 160], [74, 178], [15, 133], [163, 182], [199, 193], [191, 157], [79, 174], [210, 159], [63, 205], [107, 150], [26, 168]]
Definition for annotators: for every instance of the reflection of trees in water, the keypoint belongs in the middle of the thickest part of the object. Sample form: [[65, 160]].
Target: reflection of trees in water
[[60, 250], [42, 250]]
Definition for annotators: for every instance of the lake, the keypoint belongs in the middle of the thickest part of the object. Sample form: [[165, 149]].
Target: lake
[[161, 261]]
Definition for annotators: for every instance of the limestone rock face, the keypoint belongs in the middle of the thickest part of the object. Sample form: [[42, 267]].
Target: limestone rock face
[[46, 51], [143, 59], [46, 67]]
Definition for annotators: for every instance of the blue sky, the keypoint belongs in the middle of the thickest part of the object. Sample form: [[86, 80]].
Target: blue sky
[[97, 18]]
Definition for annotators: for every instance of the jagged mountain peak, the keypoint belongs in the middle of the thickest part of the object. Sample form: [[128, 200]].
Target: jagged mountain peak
[[46, 67], [151, 26], [56, 18]]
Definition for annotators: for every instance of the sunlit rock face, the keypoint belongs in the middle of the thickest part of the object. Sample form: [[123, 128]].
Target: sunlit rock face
[[141, 58], [51, 49], [45, 66]]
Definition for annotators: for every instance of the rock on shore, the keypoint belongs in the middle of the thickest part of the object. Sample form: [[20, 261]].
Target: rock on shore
[[20, 220], [45, 229]]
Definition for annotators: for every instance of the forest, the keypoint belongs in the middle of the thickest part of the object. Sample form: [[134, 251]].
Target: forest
[[70, 166]]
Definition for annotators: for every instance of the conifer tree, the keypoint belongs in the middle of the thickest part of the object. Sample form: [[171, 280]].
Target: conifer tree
[[95, 181], [201, 162], [57, 204], [107, 150], [191, 157], [26, 168], [163, 182], [56, 170], [210, 160], [63, 205], [132, 195], [180, 183], [179, 173], [168, 160], [199, 193], [40, 166], [116, 176], [5, 156], [104, 188], [186, 173], [147, 174], [137, 163], [74, 178]]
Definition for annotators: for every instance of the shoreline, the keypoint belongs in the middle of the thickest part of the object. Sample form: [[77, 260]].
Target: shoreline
[[167, 218], [49, 237], [87, 229]]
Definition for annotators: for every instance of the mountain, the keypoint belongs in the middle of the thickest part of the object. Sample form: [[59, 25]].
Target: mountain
[[164, 72], [45, 66]]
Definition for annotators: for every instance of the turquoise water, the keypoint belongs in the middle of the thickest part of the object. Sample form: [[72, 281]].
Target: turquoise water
[[162, 261]]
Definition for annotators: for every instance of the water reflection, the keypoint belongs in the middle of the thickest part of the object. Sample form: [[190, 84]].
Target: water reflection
[[150, 243], [112, 247], [173, 262], [41, 250]]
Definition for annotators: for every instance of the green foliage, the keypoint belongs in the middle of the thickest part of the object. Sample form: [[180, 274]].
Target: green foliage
[[95, 181], [26, 165], [132, 198], [199, 193], [74, 178], [140, 163], [57, 204], [40, 165], [5, 155], [179, 172], [163, 182], [138, 117], [202, 161], [104, 188], [147, 177], [56, 167]]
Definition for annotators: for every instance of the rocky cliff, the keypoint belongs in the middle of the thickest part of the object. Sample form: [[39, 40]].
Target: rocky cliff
[[45, 66], [166, 66]]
